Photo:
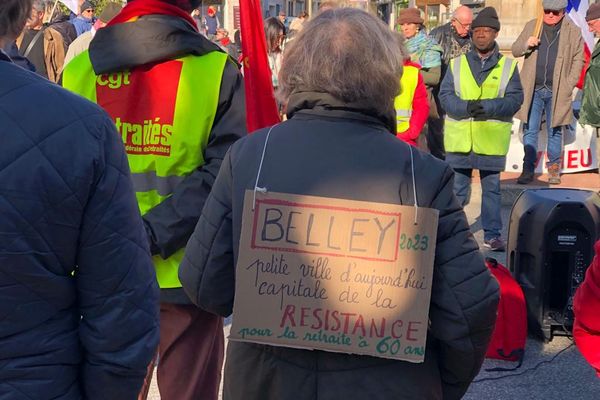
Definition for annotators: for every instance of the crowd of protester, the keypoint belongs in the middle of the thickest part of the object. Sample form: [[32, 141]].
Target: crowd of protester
[[121, 220]]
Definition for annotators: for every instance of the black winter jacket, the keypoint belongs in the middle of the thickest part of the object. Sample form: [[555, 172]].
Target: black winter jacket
[[590, 105], [331, 149], [78, 293], [451, 43]]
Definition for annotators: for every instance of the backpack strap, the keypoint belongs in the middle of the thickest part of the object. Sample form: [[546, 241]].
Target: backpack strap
[[33, 42]]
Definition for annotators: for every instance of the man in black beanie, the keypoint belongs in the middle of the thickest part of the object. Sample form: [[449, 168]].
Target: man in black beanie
[[548, 84], [481, 91]]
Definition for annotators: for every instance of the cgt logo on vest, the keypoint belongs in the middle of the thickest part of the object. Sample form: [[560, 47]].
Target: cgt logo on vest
[[144, 121], [114, 80]]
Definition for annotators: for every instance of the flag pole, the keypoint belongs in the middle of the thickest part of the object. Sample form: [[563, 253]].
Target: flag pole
[[540, 17], [53, 9]]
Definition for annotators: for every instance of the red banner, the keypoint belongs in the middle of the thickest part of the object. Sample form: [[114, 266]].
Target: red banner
[[261, 108]]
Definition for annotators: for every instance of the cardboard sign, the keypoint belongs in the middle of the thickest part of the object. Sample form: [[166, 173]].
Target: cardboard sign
[[579, 149], [336, 275]]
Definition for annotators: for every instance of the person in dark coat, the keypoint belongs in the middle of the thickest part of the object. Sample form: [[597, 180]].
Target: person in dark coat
[[42, 44], [551, 67], [78, 292], [338, 141], [455, 39], [12, 51], [478, 112], [199, 101], [61, 22]]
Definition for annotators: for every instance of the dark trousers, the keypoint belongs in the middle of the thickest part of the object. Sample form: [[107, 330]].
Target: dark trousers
[[491, 198], [435, 137], [190, 354]]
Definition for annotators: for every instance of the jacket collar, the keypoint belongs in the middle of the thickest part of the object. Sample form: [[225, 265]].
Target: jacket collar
[[596, 49], [325, 105], [4, 56], [459, 38], [150, 39], [490, 61]]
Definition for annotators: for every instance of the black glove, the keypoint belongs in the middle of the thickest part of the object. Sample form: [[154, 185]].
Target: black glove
[[475, 108]]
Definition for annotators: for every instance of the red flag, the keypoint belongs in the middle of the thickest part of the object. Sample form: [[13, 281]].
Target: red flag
[[587, 57], [261, 108]]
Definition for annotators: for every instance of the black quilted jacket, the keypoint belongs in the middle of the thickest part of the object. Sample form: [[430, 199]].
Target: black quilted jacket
[[332, 149], [78, 295]]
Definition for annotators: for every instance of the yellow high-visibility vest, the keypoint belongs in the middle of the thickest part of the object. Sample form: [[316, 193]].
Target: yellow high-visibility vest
[[403, 103], [164, 113], [489, 137]]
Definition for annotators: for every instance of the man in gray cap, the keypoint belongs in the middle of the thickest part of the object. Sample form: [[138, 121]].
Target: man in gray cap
[[82, 43], [548, 84], [590, 105], [84, 21]]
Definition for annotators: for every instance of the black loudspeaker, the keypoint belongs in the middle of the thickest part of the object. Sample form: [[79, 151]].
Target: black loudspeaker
[[551, 238]]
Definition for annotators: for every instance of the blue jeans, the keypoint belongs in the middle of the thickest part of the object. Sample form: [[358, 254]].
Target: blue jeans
[[541, 104], [491, 220]]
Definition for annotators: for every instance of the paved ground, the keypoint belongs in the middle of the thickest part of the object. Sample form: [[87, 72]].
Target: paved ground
[[552, 371], [581, 180], [548, 372]]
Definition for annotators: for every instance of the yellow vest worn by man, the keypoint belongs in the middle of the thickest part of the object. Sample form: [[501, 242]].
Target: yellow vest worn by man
[[488, 137]]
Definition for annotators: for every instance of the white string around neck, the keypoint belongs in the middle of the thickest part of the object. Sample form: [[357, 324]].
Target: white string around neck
[[412, 169], [262, 159]]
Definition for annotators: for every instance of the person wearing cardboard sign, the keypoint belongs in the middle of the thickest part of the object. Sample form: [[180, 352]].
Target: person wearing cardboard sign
[[322, 155]]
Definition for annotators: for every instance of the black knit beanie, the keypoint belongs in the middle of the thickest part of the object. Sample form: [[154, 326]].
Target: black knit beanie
[[487, 18]]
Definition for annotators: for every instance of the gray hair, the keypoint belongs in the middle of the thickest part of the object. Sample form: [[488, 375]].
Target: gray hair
[[348, 54], [40, 5], [13, 15]]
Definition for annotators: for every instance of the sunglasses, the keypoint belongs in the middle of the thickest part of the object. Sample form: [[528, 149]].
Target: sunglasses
[[556, 13]]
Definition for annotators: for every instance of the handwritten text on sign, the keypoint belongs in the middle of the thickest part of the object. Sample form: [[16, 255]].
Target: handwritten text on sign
[[335, 275]]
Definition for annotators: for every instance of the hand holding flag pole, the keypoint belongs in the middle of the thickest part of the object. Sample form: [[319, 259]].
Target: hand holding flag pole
[[537, 31]]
